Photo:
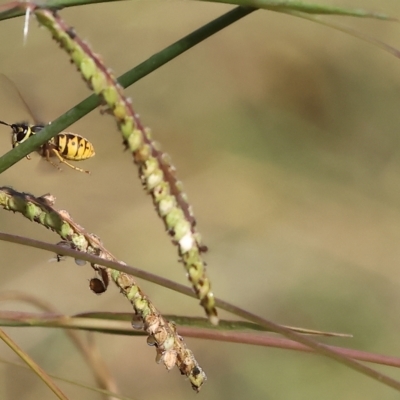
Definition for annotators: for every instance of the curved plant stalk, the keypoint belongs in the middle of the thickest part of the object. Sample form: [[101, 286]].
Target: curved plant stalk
[[282, 343], [117, 324], [156, 172], [184, 321], [158, 280], [170, 348], [350, 31], [112, 323], [33, 366]]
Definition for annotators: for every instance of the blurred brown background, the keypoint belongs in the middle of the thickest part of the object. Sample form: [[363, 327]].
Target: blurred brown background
[[286, 136]]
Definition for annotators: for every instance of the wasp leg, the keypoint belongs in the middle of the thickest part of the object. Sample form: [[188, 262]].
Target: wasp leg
[[57, 154], [47, 155]]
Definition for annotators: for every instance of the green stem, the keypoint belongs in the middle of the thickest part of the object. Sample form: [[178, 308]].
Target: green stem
[[127, 79]]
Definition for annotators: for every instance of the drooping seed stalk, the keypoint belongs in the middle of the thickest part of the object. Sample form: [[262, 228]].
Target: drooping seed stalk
[[156, 172], [170, 348]]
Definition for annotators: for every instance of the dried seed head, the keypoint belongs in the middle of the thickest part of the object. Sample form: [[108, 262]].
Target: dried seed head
[[151, 341], [137, 323], [169, 359], [97, 286]]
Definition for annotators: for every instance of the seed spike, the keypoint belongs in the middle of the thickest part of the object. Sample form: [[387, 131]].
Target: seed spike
[[156, 173]]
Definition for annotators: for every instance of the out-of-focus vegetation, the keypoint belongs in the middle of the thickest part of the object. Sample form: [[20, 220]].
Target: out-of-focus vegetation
[[286, 135]]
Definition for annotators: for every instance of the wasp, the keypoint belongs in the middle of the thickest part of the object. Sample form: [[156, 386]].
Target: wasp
[[64, 146]]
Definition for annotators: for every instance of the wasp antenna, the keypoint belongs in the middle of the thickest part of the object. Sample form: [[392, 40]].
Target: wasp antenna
[[4, 123]]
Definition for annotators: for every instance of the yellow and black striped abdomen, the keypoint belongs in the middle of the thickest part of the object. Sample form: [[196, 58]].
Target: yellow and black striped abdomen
[[73, 147]]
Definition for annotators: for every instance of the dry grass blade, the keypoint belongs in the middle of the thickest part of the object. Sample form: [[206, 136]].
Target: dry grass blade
[[33, 366], [104, 392], [89, 350]]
